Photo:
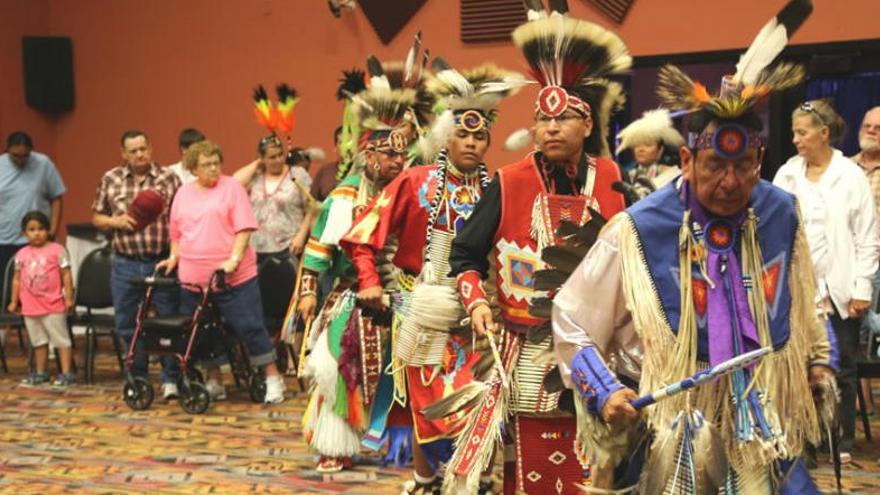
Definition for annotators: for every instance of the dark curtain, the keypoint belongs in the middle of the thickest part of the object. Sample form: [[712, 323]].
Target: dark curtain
[[853, 96]]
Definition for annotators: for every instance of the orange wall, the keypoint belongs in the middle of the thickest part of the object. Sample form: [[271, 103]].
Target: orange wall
[[166, 64]]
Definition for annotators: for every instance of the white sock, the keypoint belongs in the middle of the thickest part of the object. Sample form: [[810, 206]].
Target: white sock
[[422, 480]]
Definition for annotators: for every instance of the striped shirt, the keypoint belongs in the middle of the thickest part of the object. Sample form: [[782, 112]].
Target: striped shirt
[[115, 193], [873, 176]]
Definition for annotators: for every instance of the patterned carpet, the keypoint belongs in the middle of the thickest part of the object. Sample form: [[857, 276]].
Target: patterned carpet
[[86, 440]]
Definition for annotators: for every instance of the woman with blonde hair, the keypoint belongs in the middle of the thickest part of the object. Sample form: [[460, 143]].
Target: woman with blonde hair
[[839, 218]]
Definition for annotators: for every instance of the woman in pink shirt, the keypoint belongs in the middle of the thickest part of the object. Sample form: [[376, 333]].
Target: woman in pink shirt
[[210, 227]]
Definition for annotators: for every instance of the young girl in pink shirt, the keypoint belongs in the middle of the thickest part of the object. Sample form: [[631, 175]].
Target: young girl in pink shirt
[[43, 287]]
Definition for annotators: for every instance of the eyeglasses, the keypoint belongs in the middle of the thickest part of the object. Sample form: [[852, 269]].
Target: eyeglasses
[[561, 119]]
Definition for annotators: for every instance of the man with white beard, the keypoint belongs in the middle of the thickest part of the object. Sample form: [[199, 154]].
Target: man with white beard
[[869, 159]]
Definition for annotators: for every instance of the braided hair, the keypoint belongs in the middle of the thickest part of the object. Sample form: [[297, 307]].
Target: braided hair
[[437, 202]]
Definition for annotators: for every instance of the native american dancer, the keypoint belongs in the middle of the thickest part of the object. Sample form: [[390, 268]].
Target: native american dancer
[[516, 219], [346, 358], [712, 266], [655, 144], [423, 209]]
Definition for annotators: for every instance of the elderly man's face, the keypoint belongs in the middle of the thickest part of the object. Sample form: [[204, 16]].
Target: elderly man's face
[[19, 154], [869, 133], [137, 153], [722, 186]]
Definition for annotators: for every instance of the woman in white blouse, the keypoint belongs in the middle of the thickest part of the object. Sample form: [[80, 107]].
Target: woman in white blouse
[[839, 216]]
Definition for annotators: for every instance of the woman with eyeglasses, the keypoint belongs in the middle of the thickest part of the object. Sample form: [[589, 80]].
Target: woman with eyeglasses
[[210, 225], [839, 218], [279, 196]]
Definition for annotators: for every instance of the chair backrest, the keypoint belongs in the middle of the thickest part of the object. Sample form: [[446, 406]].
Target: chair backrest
[[93, 280], [277, 279], [8, 272]]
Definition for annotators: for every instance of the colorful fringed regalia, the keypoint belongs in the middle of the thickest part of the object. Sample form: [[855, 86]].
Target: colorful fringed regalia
[[675, 288], [348, 353], [516, 224], [654, 127], [423, 209]]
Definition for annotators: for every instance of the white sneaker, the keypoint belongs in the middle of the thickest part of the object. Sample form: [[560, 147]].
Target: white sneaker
[[215, 389], [274, 389], [169, 391]]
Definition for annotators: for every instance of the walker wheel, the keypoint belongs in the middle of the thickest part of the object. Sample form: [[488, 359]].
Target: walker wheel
[[257, 387], [194, 398], [138, 393]]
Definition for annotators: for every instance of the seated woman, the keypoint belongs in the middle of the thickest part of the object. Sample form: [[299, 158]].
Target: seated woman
[[210, 227], [279, 197]]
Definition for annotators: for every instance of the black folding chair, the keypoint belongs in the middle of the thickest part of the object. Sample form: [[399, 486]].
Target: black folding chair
[[7, 319], [92, 293]]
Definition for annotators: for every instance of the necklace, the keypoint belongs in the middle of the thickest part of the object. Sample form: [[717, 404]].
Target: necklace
[[266, 193]]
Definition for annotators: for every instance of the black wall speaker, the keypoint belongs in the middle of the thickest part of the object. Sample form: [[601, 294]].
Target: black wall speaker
[[48, 73]]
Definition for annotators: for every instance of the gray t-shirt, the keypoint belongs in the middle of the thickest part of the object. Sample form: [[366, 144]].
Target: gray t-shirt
[[23, 189]]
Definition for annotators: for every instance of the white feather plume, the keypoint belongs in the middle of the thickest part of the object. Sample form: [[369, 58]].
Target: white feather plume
[[770, 41], [654, 125], [518, 140], [316, 154]]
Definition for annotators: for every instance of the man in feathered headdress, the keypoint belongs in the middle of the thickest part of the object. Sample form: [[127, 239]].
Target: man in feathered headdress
[[422, 209], [514, 223], [655, 144], [379, 119], [703, 270]]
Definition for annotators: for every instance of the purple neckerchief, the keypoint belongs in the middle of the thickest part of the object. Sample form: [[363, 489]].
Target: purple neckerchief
[[731, 330]]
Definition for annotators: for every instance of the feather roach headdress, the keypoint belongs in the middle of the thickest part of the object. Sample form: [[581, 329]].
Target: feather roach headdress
[[752, 83], [278, 119], [571, 58], [352, 83], [468, 99], [654, 126]]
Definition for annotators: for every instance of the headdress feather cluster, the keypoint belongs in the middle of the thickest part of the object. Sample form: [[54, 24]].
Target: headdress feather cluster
[[481, 89], [279, 119], [752, 82], [575, 55], [654, 125]]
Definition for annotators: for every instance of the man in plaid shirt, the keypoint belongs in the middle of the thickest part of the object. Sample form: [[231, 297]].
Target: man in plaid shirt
[[869, 159], [136, 251]]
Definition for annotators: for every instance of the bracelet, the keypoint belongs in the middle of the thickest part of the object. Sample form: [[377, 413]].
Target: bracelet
[[308, 285]]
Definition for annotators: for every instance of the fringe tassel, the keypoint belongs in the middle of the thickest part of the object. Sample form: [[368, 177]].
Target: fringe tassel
[[454, 484], [332, 436], [782, 378]]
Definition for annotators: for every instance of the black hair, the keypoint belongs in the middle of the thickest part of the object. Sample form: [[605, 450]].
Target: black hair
[[19, 138], [296, 156], [189, 137], [36, 215], [131, 134]]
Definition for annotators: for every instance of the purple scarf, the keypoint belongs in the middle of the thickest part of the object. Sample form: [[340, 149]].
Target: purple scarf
[[731, 328]]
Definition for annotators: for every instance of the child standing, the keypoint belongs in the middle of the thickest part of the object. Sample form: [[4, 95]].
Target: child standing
[[44, 287]]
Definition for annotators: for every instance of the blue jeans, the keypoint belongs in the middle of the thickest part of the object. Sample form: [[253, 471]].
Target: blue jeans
[[242, 310], [126, 298]]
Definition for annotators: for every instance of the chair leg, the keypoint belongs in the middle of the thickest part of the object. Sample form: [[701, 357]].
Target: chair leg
[[21, 344], [863, 412], [89, 355], [72, 348], [3, 358], [118, 348]]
